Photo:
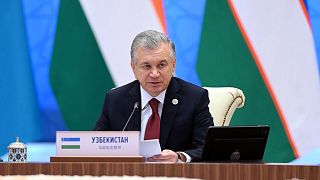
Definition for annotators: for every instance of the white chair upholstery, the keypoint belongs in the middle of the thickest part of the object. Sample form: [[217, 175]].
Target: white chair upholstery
[[223, 102]]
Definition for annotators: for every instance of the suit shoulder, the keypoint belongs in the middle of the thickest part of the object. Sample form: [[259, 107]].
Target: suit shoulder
[[187, 86], [123, 89]]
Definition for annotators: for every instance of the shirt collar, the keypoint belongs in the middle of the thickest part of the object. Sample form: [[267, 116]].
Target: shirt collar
[[146, 97]]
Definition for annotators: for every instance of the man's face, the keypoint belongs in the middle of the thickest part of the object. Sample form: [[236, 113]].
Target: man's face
[[154, 68]]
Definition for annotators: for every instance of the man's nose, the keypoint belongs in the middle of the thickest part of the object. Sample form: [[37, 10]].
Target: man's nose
[[154, 72]]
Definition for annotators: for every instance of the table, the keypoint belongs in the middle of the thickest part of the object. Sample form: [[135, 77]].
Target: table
[[227, 171]]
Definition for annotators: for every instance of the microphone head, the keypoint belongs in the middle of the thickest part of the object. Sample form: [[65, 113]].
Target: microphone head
[[136, 105]]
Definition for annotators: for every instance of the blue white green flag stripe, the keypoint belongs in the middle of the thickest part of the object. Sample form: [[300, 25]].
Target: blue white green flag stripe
[[70, 143], [70, 139]]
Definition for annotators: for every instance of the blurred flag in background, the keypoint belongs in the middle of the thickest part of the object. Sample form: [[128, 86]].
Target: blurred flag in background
[[19, 112], [59, 58]]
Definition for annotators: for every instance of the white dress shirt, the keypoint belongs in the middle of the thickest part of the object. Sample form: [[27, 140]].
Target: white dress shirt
[[146, 112]]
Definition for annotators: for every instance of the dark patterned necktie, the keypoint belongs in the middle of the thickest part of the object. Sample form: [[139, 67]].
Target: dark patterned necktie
[[153, 124]]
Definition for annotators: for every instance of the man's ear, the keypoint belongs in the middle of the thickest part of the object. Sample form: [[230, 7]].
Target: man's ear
[[173, 66], [132, 65]]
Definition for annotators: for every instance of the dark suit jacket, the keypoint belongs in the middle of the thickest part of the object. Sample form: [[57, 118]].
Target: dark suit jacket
[[183, 126]]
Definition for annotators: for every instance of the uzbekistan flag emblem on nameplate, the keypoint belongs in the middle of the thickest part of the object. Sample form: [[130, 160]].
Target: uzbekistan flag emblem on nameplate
[[70, 143]]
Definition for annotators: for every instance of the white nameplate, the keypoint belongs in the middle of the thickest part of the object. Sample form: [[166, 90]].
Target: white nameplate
[[97, 143]]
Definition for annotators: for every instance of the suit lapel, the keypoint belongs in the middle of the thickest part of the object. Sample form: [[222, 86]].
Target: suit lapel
[[134, 96], [169, 111]]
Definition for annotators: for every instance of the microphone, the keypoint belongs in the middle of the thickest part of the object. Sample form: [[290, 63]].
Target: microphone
[[135, 107]]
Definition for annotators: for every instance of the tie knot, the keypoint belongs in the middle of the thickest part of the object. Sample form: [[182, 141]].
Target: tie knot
[[154, 105]]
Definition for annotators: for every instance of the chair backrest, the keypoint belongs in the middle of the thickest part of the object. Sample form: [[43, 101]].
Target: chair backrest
[[223, 102]]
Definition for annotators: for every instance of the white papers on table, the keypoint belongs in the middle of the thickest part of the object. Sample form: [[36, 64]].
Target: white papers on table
[[149, 148]]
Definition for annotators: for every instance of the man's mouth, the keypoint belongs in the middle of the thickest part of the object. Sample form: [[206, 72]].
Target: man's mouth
[[154, 83]]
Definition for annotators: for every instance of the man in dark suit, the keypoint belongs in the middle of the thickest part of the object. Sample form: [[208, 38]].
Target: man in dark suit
[[170, 109]]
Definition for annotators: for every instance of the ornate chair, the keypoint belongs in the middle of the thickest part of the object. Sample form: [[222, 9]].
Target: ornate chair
[[223, 102]]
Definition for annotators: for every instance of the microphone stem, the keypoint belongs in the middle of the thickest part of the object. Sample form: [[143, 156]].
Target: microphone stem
[[125, 126]]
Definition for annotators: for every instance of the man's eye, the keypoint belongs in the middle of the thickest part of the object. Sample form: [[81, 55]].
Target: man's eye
[[146, 66], [162, 65]]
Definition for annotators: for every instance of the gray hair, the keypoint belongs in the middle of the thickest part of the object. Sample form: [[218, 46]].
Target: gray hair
[[150, 40]]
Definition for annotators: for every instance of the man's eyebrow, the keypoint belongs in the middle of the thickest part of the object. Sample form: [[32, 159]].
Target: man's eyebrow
[[144, 62], [163, 60]]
